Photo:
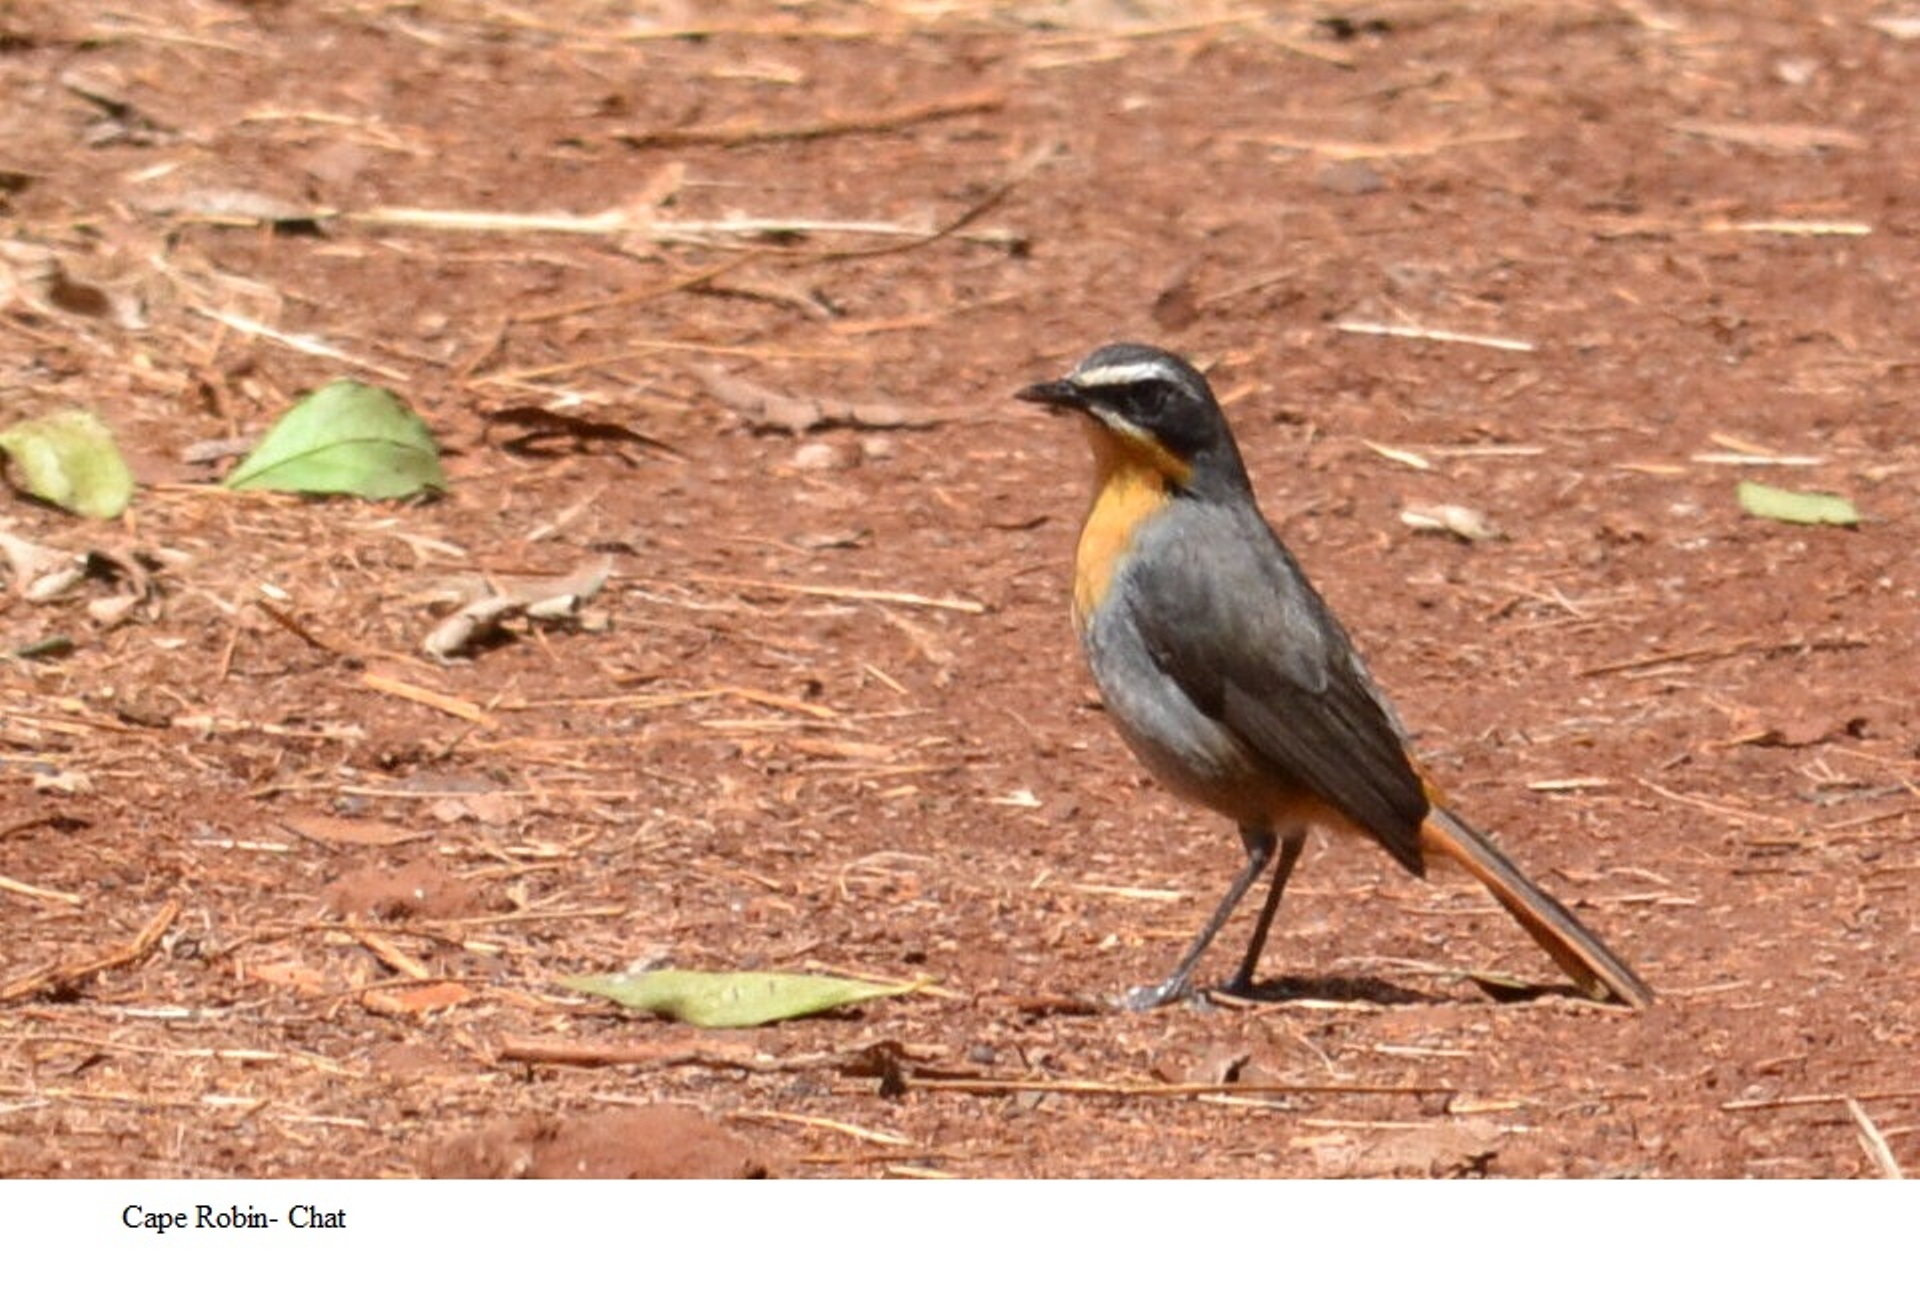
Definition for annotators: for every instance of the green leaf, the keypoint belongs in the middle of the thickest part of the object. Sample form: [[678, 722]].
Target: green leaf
[[71, 460], [1795, 507], [720, 1000], [346, 438]]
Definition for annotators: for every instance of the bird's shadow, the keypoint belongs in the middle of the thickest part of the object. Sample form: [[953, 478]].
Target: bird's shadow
[[1329, 988], [1378, 992]]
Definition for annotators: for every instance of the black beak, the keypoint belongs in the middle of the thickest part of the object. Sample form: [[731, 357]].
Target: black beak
[[1061, 395]]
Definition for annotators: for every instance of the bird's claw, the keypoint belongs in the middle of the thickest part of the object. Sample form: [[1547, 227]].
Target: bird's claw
[[1148, 996]]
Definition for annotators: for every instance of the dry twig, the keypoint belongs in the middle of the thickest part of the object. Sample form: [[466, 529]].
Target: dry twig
[[1117, 1089], [752, 132], [1722, 650], [884, 597], [301, 342], [826, 1123], [459, 707], [65, 976], [717, 1054], [35, 891], [1874, 1142], [1819, 1100], [1372, 329]]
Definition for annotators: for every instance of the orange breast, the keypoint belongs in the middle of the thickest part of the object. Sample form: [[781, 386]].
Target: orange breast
[[1126, 493]]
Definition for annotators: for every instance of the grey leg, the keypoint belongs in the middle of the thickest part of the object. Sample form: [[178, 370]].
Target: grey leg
[[1260, 848], [1289, 853]]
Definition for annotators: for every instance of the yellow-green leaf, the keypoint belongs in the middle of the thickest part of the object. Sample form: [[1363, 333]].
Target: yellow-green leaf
[[729, 1000], [345, 438], [72, 460], [1795, 507]]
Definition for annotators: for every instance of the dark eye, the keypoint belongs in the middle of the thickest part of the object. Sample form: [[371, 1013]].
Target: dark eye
[[1151, 397]]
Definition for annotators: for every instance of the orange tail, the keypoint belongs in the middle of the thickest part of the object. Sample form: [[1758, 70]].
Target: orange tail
[[1578, 950]]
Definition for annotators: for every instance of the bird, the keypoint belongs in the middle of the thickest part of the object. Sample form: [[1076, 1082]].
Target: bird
[[1231, 679]]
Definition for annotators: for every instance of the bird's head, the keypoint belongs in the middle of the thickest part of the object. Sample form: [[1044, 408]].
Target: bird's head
[[1149, 407]]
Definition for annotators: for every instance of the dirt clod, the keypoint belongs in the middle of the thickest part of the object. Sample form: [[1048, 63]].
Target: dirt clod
[[641, 1143]]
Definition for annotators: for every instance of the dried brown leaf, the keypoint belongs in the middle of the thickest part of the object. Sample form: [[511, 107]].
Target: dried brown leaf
[[540, 599], [349, 831], [417, 999], [764, 408]]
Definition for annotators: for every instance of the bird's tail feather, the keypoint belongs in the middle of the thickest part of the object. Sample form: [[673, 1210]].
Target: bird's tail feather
[[1577, 949]]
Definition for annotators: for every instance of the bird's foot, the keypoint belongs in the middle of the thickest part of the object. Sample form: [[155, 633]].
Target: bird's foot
[[1149, 996]]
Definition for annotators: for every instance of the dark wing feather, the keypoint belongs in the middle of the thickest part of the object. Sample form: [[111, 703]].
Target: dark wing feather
[[1236, 624]]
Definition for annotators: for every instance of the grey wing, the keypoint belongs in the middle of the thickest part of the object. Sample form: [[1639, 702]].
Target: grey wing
[[1235, 623]]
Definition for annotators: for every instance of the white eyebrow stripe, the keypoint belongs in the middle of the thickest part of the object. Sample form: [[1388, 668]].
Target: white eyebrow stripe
[[1133, 371]]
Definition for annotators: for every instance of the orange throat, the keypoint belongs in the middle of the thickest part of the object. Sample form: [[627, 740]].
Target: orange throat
[[1130, 484]]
